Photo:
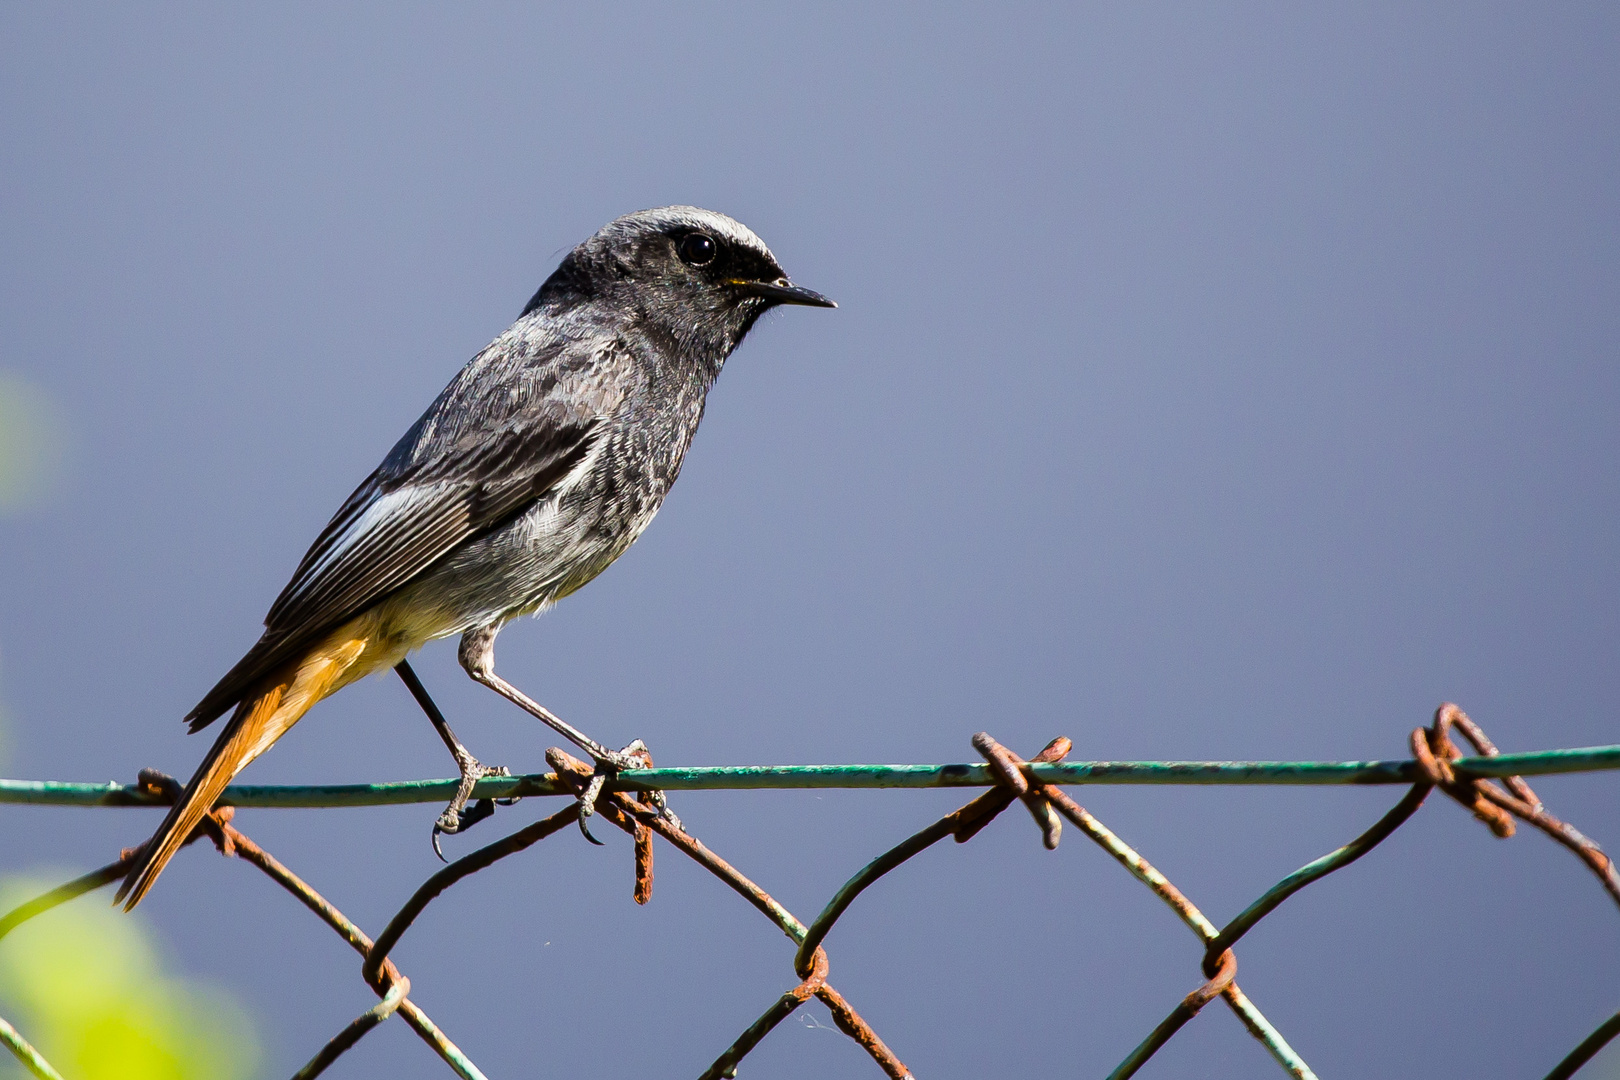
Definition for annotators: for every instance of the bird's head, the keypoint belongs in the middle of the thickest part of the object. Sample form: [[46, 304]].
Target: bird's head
[[698, 275]]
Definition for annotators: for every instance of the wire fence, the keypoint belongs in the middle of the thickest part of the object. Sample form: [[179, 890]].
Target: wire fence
[[1488, 783]]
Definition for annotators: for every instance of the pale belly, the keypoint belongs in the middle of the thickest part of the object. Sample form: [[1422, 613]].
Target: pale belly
[[520, 569]]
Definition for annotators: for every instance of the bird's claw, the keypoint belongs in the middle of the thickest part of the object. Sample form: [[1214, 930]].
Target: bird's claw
[[656, 800], [634, 756], [450, 822], [587, 801], [609, 763], [458, 817]]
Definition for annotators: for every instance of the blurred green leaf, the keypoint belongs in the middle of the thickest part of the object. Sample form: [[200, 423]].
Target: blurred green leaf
[[85, 983]]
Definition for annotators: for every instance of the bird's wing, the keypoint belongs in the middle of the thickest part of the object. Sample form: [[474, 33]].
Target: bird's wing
[[415, 509], [394, 528]]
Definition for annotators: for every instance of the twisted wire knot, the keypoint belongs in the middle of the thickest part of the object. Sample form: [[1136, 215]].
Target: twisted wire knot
[[1434, 752]]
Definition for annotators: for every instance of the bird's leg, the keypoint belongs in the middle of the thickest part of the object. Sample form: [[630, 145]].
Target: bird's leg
[[477, 656], [454, 819]]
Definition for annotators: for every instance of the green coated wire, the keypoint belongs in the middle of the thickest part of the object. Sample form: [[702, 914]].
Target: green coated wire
[[753, 777], [12, 1040]]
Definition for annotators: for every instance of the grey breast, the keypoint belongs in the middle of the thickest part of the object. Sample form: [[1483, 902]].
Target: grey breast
[[649, 409]]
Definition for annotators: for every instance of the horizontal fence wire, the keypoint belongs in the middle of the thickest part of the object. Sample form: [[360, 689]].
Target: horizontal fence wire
[[784, 777], [1490, 784]]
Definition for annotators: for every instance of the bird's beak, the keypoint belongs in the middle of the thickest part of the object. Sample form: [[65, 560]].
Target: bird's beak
[[783, 291]]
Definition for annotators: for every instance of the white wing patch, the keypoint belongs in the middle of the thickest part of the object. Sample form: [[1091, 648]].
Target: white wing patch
[[383, 512]]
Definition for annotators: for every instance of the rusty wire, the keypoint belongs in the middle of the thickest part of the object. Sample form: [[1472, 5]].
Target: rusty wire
[[1496, 803]]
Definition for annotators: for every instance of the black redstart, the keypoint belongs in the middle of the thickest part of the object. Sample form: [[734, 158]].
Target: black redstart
[[537, 466]]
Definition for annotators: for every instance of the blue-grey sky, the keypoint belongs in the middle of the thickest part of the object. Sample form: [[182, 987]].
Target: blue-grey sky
[[1208, 382]]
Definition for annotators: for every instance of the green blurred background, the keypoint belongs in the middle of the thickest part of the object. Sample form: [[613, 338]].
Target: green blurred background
[[92, 990]]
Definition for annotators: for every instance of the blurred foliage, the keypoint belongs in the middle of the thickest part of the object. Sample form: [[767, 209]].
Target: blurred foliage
[[30, 442], [85, 984]]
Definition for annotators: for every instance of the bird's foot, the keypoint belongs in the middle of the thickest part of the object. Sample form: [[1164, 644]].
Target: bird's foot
[[609, 764], [458, 817], [656, 800]]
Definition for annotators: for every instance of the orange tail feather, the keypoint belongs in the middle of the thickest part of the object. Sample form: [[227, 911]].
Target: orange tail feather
[[262, 717]]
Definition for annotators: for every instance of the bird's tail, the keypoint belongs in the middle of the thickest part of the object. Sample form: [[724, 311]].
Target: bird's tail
[[262, 717]]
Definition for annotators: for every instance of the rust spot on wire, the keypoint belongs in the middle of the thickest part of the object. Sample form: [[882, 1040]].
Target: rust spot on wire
[[1225, 972], [644, 864], [1434, 752], [850, 1023], [1512, 796], [1009, 770]]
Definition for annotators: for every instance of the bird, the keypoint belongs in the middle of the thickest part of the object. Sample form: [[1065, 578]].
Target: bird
[[538, 465]]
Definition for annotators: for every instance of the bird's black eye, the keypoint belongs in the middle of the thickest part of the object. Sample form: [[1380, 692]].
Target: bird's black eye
[[698, 249]]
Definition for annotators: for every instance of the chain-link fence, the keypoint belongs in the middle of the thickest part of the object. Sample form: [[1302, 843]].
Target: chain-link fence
[[1488, 783]]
